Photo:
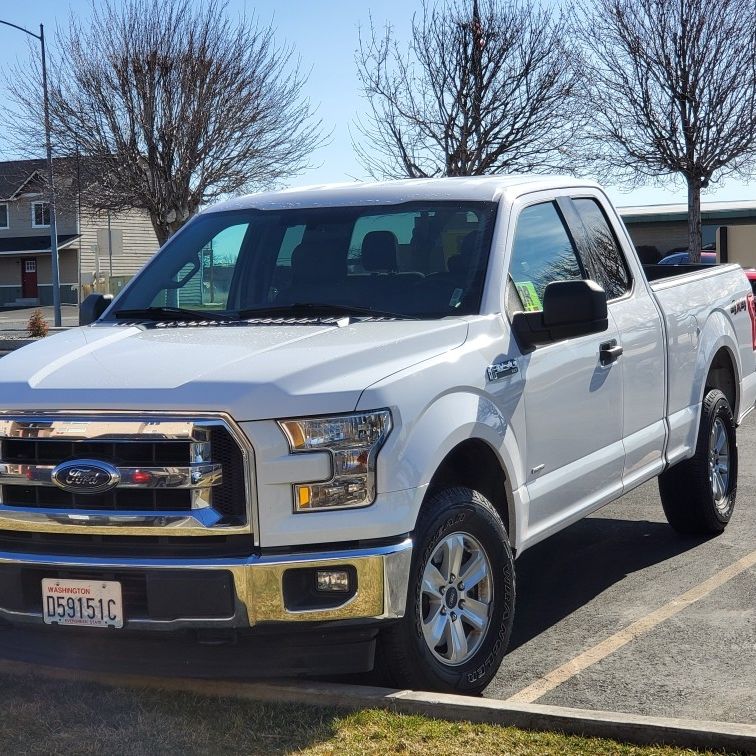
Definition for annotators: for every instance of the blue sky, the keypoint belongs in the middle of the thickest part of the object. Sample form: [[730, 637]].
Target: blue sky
[[324, 33]]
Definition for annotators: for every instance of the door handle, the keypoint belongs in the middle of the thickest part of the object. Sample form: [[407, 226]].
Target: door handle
[[610, 351]]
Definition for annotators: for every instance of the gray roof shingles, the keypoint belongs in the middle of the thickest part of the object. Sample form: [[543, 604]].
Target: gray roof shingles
[[14, 173], [11, 244]]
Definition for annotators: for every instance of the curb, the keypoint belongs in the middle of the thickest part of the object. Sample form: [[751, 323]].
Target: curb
[[9, 345], [627, 728]]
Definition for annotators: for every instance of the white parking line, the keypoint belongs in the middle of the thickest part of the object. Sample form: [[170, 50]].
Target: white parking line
[[601, 650]]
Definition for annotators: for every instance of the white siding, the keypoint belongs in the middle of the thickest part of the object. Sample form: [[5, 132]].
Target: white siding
[[133, 242]]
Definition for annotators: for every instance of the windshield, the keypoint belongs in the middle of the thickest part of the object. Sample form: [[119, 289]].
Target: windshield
[[424, 260]]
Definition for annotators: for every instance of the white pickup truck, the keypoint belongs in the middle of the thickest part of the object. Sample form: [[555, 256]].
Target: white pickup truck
[[337, 414]]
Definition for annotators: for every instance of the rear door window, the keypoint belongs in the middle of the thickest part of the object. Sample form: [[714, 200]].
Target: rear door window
[[600, 249]]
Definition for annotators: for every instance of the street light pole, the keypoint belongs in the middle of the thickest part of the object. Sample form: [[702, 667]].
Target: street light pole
[[53, 224], [51, 185]]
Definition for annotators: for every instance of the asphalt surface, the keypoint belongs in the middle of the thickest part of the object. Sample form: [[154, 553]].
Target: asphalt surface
[[614, 568], [574, 591]]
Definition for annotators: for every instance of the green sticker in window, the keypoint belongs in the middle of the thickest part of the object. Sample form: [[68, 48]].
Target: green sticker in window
[[528, 296]]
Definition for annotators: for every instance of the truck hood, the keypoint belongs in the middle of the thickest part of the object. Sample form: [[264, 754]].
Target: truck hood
[[252, 372]]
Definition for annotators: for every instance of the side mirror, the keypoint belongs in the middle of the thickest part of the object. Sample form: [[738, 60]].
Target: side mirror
[[570, 309], [92, 307]]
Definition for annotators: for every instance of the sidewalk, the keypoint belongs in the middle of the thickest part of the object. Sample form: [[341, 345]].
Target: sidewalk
[[15, 321], [14, 325]]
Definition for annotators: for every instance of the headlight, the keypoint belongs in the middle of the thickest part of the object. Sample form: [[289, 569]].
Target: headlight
[[353, 442]]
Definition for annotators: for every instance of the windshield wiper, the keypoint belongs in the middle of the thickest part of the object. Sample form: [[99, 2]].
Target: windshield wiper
[[172, 313], [316, 309]]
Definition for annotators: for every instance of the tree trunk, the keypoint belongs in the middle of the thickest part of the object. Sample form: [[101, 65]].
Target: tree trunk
[[694, 219], [164, 230]]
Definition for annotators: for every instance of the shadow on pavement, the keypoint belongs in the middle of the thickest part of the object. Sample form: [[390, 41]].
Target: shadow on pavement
[[554, 579], [264, 655], [570, 569]]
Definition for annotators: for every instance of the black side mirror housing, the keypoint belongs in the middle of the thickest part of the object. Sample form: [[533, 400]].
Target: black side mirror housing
[[570, 309], [92, 307]]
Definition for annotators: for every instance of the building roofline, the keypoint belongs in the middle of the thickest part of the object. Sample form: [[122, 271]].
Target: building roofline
[[18, 191], [27, 245], [719, 210]]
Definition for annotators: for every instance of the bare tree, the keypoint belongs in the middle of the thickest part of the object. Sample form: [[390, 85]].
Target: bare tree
[[173, 105], [481, 88], [671, 90]]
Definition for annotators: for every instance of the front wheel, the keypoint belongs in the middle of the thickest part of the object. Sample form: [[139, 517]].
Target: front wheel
[[460, 599], [698, 495]]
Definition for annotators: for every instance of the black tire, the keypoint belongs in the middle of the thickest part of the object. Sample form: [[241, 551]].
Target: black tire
[[687, 490], [408, 658]]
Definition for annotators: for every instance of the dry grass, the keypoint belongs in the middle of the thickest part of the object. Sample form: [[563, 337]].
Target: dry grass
[[48, 716]]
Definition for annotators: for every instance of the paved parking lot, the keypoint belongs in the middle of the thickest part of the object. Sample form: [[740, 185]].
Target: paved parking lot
[[616, 613], [616, 568]]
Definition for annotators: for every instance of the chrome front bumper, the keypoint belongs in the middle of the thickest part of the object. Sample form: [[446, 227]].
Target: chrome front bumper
[[382, 576]]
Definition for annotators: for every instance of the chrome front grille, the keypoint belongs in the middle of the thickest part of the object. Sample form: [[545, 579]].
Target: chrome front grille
[[187, 476]]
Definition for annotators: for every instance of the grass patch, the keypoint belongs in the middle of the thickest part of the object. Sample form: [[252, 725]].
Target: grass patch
[[49, 716]]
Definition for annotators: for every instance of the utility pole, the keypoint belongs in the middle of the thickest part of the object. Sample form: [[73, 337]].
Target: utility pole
[[51, 184], [110, 253], [78, 224]]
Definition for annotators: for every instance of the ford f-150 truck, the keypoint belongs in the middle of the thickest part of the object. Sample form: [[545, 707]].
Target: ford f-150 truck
[[337, 414]]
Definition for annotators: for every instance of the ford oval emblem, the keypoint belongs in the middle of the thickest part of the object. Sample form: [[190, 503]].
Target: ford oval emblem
[[87, 476]]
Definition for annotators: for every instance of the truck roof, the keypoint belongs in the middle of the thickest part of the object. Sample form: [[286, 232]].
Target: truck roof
[[470, 188]]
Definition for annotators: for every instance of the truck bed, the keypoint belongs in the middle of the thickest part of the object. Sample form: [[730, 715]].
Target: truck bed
[[696, 303], [656, 272]]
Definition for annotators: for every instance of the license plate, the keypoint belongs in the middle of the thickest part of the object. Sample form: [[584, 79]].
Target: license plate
[[94, 603]]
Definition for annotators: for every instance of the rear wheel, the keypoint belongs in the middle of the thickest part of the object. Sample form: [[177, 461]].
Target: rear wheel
[[698, 495], [460, 600]]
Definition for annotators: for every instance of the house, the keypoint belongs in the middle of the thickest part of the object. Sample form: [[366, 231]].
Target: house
[[97, 251]]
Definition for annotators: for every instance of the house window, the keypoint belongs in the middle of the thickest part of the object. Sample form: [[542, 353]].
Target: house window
[[40, 214], [4, 215], [30, 266]]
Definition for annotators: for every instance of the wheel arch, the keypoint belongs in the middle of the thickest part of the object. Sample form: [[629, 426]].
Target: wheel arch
[[453, 430], [718, 363], [722, 374], [473, 463]]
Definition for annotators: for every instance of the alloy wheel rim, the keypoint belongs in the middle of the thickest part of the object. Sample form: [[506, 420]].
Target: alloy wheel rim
[[719, 465], [456, 598]]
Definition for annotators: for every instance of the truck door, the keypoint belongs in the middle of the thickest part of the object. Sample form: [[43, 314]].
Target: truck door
[[641, 338], [573, 398]]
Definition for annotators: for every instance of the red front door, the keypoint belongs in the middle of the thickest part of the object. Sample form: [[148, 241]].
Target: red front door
[[29, 278]]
